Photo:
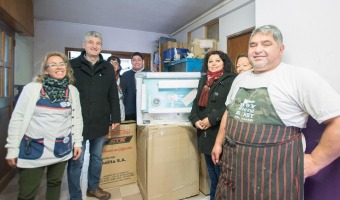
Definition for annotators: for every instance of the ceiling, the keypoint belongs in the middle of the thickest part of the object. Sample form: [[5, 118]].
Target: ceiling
[[160, 16]]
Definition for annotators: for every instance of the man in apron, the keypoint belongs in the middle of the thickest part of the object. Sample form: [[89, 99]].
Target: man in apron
[[260, 132]]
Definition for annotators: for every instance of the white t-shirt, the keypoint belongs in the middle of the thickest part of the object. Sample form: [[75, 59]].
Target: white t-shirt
[[295, 93]]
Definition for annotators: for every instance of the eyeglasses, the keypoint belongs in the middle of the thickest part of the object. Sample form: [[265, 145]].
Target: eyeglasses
[[53, 65], [114, 62]]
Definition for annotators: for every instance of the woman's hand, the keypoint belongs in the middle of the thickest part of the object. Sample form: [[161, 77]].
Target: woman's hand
[[76, 152], [198, 125], [203, 124], [12, 162]]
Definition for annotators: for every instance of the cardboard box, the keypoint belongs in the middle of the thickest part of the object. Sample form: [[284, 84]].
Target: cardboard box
[[167, 162], [171, 44], [162, 41], [204, 176], [201, 46], [119, 157]]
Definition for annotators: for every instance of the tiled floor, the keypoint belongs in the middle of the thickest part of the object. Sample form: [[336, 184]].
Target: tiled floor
[[126, 192]]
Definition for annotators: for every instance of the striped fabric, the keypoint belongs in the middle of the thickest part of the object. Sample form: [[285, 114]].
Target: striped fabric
[[261, 162]]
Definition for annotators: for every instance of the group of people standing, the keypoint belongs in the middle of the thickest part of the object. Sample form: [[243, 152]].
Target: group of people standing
[[66, 109], [248, 125]]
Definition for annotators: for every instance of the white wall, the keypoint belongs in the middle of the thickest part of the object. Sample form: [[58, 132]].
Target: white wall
[[235, 16], [310, 32], [23, 60], [55, 36], [198, 33], [239, 20]]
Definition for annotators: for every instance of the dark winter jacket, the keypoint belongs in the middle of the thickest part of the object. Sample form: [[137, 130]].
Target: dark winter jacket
[[214, 111], [98, 95]]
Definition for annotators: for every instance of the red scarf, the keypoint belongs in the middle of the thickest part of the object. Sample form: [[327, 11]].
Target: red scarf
[[211, 78]]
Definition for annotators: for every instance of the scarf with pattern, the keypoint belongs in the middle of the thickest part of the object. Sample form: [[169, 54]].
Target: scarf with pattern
[[211, 78], [55, 89]]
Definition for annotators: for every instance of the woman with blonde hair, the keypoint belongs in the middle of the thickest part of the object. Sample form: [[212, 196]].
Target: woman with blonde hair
[[46, 125], [242, 64]]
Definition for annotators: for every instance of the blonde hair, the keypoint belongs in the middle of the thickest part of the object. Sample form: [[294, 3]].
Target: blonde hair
[[242, 55], [69, 72]]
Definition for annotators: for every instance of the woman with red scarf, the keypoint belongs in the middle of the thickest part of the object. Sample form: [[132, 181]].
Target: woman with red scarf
[[209, 106]]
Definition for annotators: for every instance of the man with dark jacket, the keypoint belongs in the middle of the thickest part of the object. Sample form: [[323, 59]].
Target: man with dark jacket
[[97, 86], [128, 84]]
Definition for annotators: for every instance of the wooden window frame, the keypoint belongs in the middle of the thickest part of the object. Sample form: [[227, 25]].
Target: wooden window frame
[[119, 54], [214, 29]]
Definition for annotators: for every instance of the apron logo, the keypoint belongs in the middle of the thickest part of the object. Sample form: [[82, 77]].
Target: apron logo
[[246, 111]]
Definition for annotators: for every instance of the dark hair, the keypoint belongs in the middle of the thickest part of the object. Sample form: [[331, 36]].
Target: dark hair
[[113, 58], [227, 64], [118, 60], [137, 54]]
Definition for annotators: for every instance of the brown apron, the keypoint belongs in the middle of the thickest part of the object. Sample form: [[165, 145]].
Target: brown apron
[[262, 158]]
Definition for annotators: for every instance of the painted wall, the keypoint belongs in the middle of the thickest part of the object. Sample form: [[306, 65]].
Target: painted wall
[[23, 60], [310, 33], [240, 19], [198, 33], [235, 16], [55, 36]]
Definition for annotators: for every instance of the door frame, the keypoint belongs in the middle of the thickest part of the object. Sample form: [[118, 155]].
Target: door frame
[[119, 54], [6, 99], [242, 48]]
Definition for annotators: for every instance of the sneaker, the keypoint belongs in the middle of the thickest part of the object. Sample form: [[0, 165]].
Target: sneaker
[[98, 193]]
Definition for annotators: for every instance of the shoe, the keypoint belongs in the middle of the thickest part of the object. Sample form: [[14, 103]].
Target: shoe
[[99, 194]]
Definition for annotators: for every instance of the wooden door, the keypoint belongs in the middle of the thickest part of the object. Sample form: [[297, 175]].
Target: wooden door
[[6, 97], [238, 44]]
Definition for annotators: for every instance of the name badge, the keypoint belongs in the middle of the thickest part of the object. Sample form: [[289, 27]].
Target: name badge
[[66, 140]]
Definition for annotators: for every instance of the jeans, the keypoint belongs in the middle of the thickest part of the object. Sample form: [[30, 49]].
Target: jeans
[[30, 178], [214, 172], [74, 168]]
